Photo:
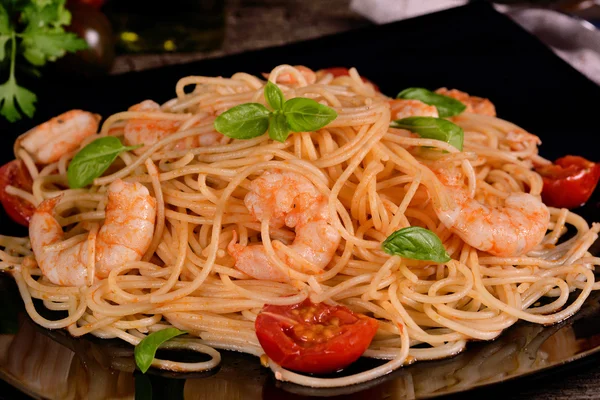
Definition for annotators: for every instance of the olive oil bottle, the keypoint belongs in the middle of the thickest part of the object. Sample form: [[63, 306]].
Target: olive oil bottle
[[142, 26]]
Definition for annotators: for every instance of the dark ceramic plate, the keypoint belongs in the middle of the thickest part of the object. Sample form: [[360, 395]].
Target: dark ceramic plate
[[472, 48]]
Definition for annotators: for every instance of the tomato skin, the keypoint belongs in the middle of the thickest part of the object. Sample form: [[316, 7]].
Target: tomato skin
[[93, 3], [343, 71], [569, 181], [15, 174], [277, 329]]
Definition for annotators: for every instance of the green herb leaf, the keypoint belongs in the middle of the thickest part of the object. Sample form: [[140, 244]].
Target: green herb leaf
[[95, 158], [278, 127], [12, 94], [245, 121], [446, 106], [306, 115], [433, 128], [416, 243], [146, 349], [5, 31], [274, 96], [41, 47]]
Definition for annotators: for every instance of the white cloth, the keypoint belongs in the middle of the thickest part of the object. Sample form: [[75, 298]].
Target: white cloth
[[574, 40]]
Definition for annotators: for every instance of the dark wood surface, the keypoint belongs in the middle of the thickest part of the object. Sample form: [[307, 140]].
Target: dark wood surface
[[252, 24]]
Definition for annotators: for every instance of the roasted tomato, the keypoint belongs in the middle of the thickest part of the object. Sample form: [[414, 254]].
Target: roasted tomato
[[569, 182], [15, 174], [342, 71], [314, 338]]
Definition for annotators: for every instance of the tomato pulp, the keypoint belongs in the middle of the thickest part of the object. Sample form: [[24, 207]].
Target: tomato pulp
[[314, 338], [15, 174], [569, 181]]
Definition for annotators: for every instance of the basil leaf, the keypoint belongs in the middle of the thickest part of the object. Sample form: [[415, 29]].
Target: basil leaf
[[306, 115], [93, 160], [433, 128], [278, 127], [274, 96], [245, 121], [146, 349], [416, 243], [446, 106]]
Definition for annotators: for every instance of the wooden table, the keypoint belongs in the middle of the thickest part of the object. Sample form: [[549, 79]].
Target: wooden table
[[293, 20]]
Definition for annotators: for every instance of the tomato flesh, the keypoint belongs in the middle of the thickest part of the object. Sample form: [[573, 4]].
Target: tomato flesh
[[569, 181], [15, 174], [343, 71], [314, 338]]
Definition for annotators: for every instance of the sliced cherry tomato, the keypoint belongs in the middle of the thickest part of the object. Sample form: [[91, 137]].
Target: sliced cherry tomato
[[314, 338], [569, 182], [343, 71], [15, 174]]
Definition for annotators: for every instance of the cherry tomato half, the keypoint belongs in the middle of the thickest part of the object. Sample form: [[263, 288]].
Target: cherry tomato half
[[15, 174], [569, 181], [314, 338], [343, 71]]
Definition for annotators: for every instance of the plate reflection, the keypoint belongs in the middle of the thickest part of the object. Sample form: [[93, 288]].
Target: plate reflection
[[52, 365]]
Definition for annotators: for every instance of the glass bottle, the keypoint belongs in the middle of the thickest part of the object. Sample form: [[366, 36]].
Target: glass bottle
[[142, 26]]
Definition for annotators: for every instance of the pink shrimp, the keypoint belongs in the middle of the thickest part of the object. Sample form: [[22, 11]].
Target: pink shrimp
[[151, 131], [48, 142], [125, 236], [510, 230], [477, 105], [401, 108], [289, 199]]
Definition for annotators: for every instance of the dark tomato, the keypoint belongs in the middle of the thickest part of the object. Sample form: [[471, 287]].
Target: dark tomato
[[569, 181], [92, 3], [15, 174], [314, 338], [343, 71], [94, 27]]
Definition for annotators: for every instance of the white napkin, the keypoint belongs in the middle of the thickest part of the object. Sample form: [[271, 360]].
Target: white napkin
[[574, 40]]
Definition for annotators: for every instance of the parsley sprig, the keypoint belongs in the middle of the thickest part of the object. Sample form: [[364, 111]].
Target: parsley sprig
[[35, 29]]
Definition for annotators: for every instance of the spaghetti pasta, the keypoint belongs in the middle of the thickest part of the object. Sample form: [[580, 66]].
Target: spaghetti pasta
[[375, 180]]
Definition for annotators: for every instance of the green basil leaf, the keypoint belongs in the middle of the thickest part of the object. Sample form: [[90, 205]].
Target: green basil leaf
[[278, 127], [416, 243], [446, 106], [93, 160], [274, 96], [145, 350], [245, 121], [433, 128], [306, 115]]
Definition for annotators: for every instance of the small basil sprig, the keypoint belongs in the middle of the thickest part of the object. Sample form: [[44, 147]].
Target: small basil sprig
[[433, 128], [95, 158], [446, 106], [416, 243], [145, 350], [250, 120]]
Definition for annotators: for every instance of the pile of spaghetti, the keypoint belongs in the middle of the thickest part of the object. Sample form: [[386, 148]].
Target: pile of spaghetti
[[349, 186]]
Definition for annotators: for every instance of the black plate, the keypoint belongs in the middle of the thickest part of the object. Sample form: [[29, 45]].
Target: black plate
[[472, 48]]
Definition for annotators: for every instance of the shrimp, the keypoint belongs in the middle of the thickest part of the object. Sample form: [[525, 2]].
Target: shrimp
[[125, 236], [510, 230], [289, 199], [151, 131], [477, 105], [401, 108], [48, 142]]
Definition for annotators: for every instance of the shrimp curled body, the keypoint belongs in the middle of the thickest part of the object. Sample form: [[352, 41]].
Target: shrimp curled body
[[125, 236], [510, 230], [289, 199]]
